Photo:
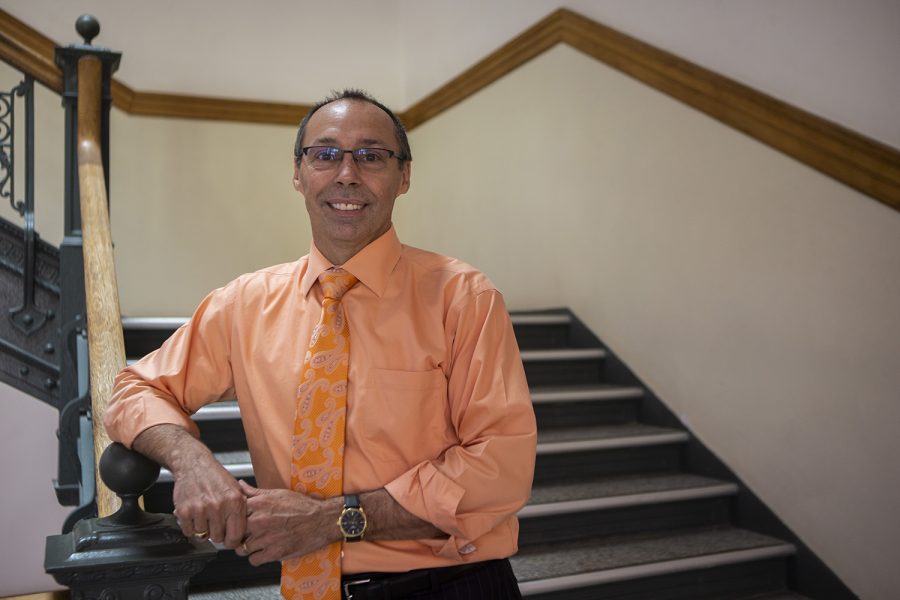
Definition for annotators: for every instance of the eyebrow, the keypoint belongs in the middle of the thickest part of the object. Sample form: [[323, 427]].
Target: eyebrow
[[364, 143]]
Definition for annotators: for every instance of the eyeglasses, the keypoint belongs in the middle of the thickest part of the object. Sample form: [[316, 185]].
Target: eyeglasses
[[324, 158]]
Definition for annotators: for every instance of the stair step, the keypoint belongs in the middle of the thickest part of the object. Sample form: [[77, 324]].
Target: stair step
[[562, 354], [522, 319], [541, 330], [229, 592], [562, 366], [607, 450], [585, 404], [579, 439], [604, 507], [583, 393], [218, 411], [577, 570], [616, 492]]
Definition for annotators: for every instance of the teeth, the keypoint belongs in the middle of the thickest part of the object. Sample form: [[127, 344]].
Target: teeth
[[346, 206]]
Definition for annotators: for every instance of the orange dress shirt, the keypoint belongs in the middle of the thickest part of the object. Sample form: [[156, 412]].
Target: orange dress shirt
[[438, 409]]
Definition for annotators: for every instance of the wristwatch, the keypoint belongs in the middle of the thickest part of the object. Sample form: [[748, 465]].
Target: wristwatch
[[352, 521]]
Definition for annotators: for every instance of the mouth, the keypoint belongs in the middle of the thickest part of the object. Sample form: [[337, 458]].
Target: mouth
[[346, 207]]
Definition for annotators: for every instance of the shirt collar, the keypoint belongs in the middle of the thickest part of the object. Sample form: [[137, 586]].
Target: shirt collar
[[372, 265]]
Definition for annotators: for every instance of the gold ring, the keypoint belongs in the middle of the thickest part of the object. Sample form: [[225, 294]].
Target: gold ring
[[201, 534], [244, 548]]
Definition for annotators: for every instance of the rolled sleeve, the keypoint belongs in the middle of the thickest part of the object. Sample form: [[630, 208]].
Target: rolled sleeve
[[191, 369], [477, 486]]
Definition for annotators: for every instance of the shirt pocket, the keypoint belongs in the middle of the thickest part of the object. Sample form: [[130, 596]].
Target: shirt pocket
[[403, 415]]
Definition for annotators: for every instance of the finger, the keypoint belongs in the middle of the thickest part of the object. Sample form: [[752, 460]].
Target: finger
[[216, 527], [200, 527], [248, 489], [236, 527], [243, 549]]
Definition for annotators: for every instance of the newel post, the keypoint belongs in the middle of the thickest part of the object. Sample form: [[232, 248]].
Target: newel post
[[130, 555]]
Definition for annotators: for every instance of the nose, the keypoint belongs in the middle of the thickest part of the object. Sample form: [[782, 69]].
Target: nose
[[347, 171]]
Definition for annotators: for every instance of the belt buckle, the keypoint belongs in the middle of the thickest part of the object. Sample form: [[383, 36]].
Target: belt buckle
[[351, 583]]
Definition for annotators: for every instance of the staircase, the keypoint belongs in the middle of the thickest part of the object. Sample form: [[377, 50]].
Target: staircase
[[614, 512]]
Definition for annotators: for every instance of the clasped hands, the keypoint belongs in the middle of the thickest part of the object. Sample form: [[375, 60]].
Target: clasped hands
[[264, 525]]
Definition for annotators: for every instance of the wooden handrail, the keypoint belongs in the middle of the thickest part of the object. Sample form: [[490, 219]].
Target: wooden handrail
[[106, 344]]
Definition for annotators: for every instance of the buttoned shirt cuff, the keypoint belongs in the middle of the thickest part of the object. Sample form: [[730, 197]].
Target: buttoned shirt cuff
[[433, 497]]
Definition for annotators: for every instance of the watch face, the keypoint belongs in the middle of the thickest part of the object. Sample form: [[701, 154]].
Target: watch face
[[353, 522]]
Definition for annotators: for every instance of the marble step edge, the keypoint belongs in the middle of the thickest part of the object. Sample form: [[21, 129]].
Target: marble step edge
[[628, 500], [615, 443], [632, 572], [562, 354], [228, 409], [245, 469], [525, 318]]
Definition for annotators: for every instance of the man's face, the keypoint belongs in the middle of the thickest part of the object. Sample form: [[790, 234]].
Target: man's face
[[349, 207]]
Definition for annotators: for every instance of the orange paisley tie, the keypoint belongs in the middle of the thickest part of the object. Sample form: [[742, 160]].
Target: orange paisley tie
[[317, 448]]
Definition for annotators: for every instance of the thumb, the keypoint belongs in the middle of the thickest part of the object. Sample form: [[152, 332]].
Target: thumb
[[248, 490]]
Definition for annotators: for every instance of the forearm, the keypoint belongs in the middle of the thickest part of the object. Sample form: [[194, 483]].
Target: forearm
[[388, 520], [174, 448]]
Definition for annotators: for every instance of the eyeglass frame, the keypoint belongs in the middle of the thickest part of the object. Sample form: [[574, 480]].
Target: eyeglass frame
[[391, 154]]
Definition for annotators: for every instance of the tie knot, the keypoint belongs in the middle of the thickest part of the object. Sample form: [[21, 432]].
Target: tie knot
[[336, 282]]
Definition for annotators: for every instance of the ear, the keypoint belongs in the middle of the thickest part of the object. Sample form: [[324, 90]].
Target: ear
[[405, 176], [297, 179]]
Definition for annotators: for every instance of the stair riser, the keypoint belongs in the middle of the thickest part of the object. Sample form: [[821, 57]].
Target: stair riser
[[541, 337], [139, 342], [719, 583], [632, 519], [229, 568], [586, 413], [620, 461], [223, 435], [562, 372]]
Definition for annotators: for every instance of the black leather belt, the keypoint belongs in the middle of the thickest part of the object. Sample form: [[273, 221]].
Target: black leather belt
[[393, 586]]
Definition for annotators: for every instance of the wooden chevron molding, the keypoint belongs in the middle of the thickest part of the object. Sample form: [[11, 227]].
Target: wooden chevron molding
[[31, 52], [864, 164]]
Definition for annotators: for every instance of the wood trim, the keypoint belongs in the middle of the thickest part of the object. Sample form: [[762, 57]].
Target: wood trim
[[534, 41], [199, 107], [868, 166], [29, 51], [864, 164]]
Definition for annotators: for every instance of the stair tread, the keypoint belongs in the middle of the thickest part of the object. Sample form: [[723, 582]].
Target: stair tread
[[233, 592], [602, 432], [559, 559], [609, 487], [585, 391], [562, 354], [779, 596]]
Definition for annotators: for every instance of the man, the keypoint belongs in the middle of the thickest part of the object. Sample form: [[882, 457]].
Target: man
[[437, 452]]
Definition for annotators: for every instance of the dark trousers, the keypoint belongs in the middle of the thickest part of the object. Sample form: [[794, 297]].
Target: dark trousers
[[489, 580]]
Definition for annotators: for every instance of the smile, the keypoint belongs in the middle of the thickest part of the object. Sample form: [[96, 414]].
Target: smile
[[345, 206]]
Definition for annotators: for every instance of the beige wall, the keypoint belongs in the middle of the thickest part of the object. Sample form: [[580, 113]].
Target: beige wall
[[756, 297], [197, 203]]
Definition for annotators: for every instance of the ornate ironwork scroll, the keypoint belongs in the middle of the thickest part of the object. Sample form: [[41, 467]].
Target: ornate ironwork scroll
[[27, 317]]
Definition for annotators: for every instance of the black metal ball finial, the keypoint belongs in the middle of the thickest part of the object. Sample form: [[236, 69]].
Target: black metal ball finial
[[126, 472], [87, 27]]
